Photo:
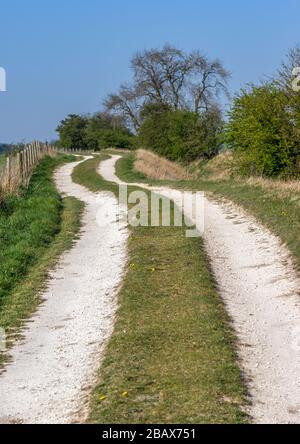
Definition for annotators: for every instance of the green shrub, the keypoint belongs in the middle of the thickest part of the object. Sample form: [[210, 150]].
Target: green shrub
[[95, 132], [72, 132], [117, 138], [181, 135], [263, 132]]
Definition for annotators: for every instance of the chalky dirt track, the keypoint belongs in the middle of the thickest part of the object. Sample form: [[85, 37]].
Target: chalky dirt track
[[53, 368], [260, 289]]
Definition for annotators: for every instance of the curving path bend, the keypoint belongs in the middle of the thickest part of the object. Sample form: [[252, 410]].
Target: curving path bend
[[54, 366], [260, 289]]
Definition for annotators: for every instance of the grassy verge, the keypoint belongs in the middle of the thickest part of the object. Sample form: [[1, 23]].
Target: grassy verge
[[125, 170], [85, 174], [277, 210], [171, 358], [35, 228]]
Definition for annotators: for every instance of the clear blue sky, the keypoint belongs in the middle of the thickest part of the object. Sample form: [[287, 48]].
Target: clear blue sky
[[64, 56]]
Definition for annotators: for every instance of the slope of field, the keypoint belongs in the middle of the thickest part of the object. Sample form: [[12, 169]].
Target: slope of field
[[275, 203], [171, 358], [260, 287]]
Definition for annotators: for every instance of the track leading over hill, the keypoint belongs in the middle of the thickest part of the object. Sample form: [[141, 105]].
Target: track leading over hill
[[260, 288], [53, 368]]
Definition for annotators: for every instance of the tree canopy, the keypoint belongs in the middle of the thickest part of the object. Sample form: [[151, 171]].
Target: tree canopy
[[170, 77], [94, 132], [264, 125], [181, 134]]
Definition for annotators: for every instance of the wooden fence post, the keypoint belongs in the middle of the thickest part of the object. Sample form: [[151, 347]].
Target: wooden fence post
[[30, 157], [19, 168], [34, 153], [21, 154], [8, 172], [26, 164]]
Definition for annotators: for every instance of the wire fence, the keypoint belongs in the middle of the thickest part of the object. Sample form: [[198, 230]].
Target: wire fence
[[16, 167]]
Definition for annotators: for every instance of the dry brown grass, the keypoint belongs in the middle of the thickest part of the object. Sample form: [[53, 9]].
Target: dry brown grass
[[10, 184], [282, 188], [218, 168], [158, 168], [221, 166]]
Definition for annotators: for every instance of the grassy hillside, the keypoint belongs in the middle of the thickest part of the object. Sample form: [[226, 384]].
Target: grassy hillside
[[275, 203]]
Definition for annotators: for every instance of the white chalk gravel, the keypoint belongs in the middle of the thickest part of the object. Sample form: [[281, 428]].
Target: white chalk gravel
[[260, 288], [54, 366]]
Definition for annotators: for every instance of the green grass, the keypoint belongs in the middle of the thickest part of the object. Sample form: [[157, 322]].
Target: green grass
[[125, 170], [280, 212], [35, 228], [172, 349], [85, 174]]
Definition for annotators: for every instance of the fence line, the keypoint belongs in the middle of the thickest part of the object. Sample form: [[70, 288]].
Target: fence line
[[18, 166]]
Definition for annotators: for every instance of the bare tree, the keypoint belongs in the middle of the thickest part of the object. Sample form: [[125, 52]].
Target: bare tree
[[161, 74], [127, 103], [208, 81], [284, 75], [170, 77]]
